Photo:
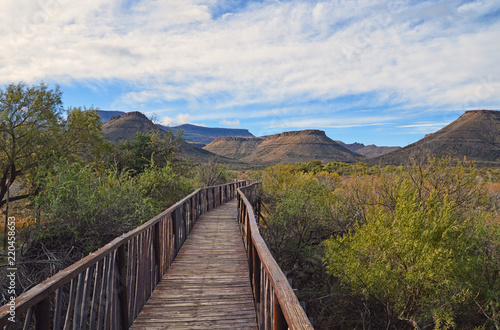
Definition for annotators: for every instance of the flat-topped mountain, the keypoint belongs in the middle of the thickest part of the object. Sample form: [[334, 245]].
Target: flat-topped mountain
[[475, 135], [201, 135], [285, 148]]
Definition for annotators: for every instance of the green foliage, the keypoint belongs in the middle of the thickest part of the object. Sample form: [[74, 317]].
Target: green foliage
[[300, 211], [163, 185], [411, 261], [79, 206], [30, 130], [84, 138], [146, 149]]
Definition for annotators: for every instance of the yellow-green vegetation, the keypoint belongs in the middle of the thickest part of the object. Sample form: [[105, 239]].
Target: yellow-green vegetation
[[393, 247]]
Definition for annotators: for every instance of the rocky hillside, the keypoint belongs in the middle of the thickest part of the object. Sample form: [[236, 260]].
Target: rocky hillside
[[475, 135], [284, 148]]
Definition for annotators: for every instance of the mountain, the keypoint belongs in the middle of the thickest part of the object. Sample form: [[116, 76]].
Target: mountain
[[369, 151], [475, 135], [202, 136], [127, 125], [107, 114], [285, 148], [351, 146]]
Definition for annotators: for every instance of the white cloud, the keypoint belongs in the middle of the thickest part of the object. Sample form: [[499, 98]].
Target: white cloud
[[425, 125], [433, 53], [230, 123], [167, 121], [183, 118], [333, 122]]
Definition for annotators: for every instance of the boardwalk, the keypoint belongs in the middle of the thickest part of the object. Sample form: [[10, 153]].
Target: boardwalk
[[194, 277], [207, 286]]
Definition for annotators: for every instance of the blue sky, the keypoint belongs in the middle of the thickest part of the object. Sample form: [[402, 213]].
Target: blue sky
[[382, 72]]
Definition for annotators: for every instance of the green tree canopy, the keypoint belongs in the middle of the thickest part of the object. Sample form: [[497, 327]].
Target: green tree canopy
[[30, 123]]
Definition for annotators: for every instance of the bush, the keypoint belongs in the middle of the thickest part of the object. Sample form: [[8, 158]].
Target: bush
[[416, 262]]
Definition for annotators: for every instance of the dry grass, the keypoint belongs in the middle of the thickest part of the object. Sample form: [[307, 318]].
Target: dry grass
[[493, 187]]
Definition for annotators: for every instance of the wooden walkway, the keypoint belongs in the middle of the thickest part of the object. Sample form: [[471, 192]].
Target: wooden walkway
[[207, 286]]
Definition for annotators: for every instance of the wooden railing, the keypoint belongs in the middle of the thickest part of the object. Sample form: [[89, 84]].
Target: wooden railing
[[108, 288], [276, 304]]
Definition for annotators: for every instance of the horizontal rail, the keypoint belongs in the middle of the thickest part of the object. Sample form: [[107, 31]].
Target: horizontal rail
[[276, 304], [108, 288]]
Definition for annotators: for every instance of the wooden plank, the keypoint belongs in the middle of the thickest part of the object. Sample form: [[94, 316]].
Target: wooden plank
[[27, 320], [86, 296], [58, 309], [95, 296], [207, 285], [70, 304]]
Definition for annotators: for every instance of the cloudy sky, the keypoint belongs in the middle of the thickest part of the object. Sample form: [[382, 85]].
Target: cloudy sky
[[383, 72]]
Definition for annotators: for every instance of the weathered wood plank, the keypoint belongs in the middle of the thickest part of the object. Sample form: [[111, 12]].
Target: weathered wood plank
[[207, 285]]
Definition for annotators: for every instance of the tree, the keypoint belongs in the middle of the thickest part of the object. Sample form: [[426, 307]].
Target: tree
[[212, 172], [84, 138], [30, 123], [146, 149]]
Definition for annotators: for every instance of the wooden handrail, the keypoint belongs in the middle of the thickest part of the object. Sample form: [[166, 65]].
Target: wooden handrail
[[276, 304], [109, 287]]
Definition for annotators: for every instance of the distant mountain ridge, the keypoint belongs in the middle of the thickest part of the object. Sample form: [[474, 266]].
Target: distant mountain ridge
[[202, 136], [474, 135], [369, 151], [284, 148]]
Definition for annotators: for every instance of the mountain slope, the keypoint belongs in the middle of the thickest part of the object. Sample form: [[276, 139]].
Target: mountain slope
[[371, 151], [204, 135], [475, 135], [234, 147], [284, 148]]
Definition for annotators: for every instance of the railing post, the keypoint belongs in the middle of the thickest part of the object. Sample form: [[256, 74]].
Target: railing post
[[256, 274], [42, 314], [175, 230], [279, 321], [159, 253], [122, 286]]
